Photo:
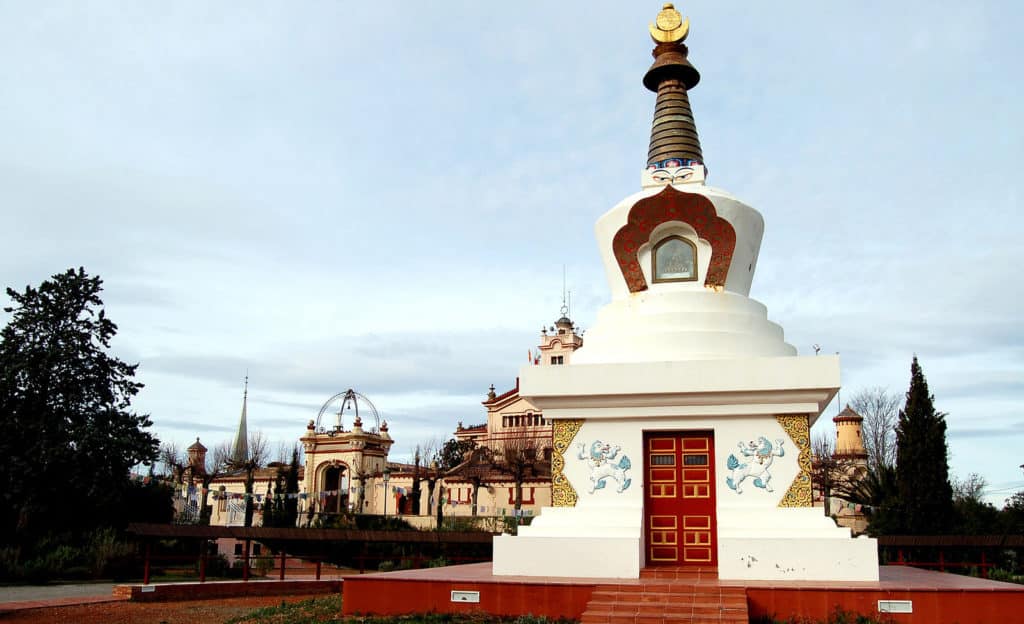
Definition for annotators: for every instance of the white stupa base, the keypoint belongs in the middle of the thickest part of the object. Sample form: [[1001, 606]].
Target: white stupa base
[[797, 559], [606, 542], [596, 541], [795, 544]]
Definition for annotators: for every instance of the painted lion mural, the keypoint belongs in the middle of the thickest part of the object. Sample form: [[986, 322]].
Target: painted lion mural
[[601, 459], [755, 462]]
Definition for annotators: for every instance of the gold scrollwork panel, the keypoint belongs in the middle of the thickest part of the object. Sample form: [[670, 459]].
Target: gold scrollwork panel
[[562, 492], [799, 493]]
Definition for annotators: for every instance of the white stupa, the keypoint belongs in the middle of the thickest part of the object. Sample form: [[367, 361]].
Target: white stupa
[[682, 425]]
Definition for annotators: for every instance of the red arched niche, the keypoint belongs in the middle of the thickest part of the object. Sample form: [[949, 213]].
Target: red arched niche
[[671, 205]]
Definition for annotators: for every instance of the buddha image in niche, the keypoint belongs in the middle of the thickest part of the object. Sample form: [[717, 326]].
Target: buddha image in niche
[[674, 260]]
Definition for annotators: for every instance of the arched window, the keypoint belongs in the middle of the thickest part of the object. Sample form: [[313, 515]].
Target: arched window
[[674, 259]]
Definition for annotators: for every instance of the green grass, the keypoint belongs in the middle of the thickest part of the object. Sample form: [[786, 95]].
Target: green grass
[[313, 611], [327, 610]]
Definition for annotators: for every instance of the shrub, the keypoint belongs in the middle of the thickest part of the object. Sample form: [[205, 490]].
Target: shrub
[[103, 547], [999, 574]]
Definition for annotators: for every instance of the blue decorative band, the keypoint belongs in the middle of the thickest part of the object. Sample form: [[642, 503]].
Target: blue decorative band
[[673, 163]]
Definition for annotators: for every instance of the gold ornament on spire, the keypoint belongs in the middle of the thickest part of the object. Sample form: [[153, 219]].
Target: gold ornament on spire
[[669, 26]]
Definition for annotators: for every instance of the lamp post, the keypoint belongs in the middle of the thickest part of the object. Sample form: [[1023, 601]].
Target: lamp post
[[387, 477]]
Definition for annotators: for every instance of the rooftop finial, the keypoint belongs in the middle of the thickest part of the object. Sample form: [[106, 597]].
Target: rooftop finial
[[565, 308], [669, 26], [674, 153]]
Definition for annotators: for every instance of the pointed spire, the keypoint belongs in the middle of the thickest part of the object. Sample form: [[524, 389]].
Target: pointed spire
[[673, 133], [240, 451]]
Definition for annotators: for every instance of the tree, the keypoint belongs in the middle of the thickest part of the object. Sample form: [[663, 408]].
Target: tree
[[974, 516], [257, 457], [291, 488], [415, 491], [521, 457], [173, 462], [477, 470], [431, 474], [454, 452], [972, 488], [880, 410], [68, 437], [876, 492], [1012, 515], [827, 470], [282, 506], [451, 454], [214, 467], [922, 464]]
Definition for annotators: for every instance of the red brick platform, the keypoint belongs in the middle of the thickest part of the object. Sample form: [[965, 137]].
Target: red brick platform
[[678, 596]]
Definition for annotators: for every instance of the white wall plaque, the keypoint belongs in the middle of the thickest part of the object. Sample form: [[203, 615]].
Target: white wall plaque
[[895, 606], [465, 596]]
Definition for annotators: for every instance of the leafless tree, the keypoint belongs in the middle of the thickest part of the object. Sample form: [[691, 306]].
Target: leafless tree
[[173, 461], [823, 465], [521, 457], [831, 473], [970, 489], [282, 452], [215, 466], [258, 454], [880, 409], [477, 470], [430, 472]]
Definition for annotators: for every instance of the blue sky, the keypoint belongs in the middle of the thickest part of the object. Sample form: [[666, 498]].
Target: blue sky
[[382, 196]]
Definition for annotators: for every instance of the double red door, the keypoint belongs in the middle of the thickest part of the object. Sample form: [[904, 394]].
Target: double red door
[[679, 498]]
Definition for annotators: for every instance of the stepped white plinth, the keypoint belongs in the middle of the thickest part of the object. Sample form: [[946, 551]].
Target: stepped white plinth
[[586, 541]]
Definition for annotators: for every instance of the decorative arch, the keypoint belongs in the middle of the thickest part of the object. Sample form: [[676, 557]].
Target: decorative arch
[[332, 498], [693, 209]]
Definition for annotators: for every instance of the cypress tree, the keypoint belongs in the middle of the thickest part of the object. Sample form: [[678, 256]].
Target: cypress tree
[[925, 505], [291, 483]]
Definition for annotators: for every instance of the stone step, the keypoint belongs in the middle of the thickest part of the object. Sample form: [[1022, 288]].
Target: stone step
[[692, 572], [722, 618], [663, 597], [673, 587], [668, 596], [666, 607], [707, 608]]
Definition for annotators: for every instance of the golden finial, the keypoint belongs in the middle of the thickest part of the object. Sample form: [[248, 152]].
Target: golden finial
[[670, 26]]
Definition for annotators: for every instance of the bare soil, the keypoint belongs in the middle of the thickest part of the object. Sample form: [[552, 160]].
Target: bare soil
[[213, 611]]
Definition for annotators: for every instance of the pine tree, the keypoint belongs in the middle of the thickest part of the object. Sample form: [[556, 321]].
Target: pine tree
[[925, 505], [68, 437]]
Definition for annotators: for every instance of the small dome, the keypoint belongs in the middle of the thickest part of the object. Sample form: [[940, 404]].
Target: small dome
[[196, 446], [564, 321]]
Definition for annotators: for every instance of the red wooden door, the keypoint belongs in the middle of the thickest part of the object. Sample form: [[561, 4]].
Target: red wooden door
[[679, 498]]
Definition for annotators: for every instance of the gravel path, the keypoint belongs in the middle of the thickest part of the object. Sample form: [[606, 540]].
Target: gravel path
[[185, 612], [22, 593]]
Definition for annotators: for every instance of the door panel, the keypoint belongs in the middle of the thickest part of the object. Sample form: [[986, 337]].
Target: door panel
[[679, 498]]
